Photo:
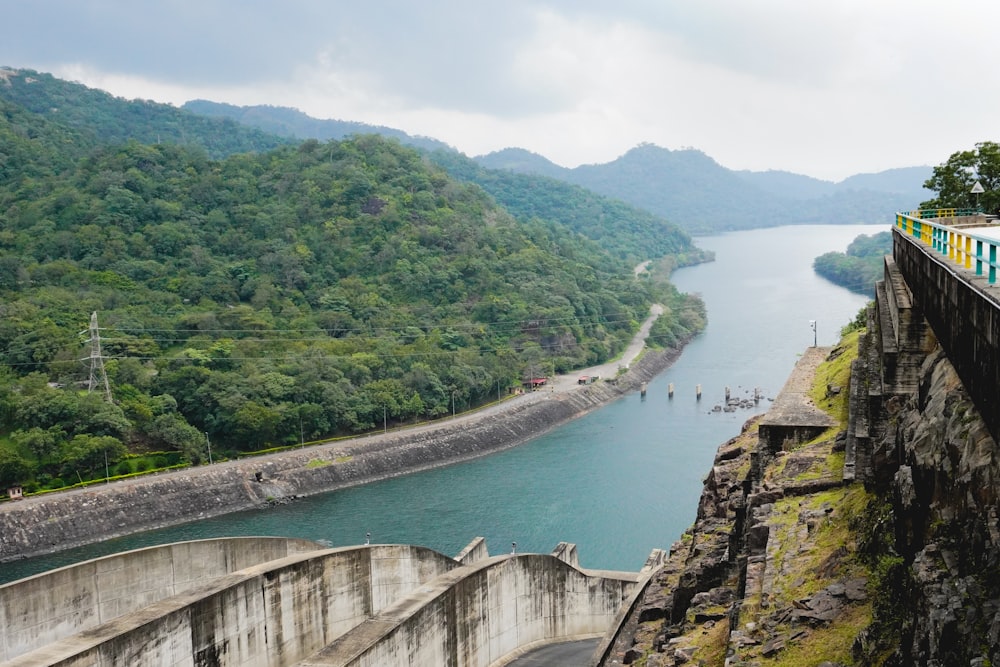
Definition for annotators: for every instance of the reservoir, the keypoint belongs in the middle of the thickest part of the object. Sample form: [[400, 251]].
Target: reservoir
[[618, 482]]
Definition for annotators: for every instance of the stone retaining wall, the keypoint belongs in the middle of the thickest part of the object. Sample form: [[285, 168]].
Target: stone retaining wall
[[43, 524]]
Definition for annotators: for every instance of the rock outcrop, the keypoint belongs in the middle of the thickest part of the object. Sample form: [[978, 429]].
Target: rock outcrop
[[875, 545]]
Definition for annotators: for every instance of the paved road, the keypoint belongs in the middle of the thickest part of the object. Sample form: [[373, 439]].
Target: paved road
[[610, 369], [567, 654]]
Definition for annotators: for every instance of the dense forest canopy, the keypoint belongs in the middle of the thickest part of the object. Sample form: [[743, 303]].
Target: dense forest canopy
[[99, 117], [269, 298]]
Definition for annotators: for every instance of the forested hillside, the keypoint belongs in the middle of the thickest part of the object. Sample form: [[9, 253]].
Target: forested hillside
[[101, 118], [269, 298], [685, 186], [860, 266], [630, 233], [294, 124]]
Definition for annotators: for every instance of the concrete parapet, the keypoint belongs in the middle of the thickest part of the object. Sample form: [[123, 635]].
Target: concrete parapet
[[566, 552], [45, 608], [475, 551], [964, 312], [655, 560]]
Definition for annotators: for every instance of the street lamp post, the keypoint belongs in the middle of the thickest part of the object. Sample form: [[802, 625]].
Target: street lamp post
[[209, 443], [812, 323]]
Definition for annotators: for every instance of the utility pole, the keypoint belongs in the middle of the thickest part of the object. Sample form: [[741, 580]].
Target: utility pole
[[209, 443], [97, 372]]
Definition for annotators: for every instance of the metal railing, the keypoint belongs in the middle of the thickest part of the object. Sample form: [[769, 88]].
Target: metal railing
[[934, 213], [963, 247]]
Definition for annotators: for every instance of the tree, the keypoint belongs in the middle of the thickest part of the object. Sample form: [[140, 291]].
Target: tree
[[88, 452], [953, 180], [43, 443], [14, 468], [172, 429]]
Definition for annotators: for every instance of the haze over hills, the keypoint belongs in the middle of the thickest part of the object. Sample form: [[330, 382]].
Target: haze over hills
[[292, 123], [691, 189], [685, 186]]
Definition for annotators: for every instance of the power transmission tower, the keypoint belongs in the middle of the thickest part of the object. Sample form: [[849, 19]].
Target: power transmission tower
[[97, 361]]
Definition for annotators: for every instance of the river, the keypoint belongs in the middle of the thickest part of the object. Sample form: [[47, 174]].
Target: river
[[618, 482]]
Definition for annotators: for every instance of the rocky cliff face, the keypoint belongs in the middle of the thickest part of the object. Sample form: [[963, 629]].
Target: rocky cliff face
[[767, 572], [793, 562], [936, 470]]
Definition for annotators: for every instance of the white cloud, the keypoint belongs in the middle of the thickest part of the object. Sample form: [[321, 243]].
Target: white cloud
[[826, 89]]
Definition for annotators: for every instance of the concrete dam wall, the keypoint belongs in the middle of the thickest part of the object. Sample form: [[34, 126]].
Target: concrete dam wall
[[374, 605], [45, 608]]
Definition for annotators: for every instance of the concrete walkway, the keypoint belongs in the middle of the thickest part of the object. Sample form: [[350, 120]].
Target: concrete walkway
[[567, 654]]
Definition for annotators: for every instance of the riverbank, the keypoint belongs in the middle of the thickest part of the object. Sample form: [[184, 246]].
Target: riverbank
[[53, 522]]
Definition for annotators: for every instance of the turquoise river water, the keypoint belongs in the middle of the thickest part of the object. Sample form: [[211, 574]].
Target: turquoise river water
[[618, 482]]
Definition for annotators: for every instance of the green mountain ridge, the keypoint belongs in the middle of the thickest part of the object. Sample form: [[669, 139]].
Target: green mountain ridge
[[686, 187], [268, 297], [292, 123], [101, 118]]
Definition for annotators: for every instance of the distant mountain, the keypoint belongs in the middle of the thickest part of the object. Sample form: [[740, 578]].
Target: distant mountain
[[292, 123], [787, 184], [905, 181], [692, 190], [539, 190], [686, 186], [101, 118], [625, 231], [522, 161]]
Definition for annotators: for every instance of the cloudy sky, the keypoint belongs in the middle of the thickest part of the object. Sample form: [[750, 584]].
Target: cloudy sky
[[826, 89]]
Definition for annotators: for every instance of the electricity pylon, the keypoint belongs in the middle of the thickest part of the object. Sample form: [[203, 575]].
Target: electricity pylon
[[97, 372]]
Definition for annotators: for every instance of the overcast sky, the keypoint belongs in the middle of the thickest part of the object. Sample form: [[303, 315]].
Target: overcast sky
[[827, 89]]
